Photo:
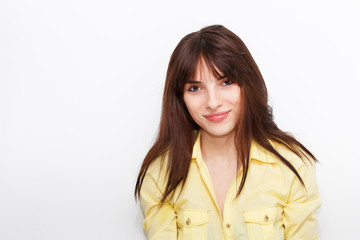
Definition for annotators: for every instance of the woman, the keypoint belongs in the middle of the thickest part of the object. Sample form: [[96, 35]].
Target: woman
[[220, 167]]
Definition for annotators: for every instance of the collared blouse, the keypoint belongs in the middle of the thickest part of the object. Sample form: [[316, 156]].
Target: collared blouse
[[272, 205]]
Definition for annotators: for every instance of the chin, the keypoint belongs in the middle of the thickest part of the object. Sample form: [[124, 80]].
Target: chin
[[219, 132]]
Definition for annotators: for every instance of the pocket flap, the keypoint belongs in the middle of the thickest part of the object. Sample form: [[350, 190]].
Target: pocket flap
[[261, 216], [190, 218]]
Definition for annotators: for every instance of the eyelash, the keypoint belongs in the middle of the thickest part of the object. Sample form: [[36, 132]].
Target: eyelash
[[191, 89], [227, 83], [224, 83]]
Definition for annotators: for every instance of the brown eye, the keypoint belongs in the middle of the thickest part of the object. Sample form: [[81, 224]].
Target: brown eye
[[194, 89], [227, 82]]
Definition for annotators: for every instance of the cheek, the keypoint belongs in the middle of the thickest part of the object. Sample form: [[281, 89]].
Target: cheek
[[236, 98], [191, 109], [187, 104], [234, 93], [192, 104]]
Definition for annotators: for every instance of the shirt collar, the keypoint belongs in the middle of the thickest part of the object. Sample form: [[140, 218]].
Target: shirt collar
[[196, 155], [257, 152]]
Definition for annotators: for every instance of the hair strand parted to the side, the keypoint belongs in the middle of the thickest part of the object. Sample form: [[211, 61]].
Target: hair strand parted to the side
[[222, 50]]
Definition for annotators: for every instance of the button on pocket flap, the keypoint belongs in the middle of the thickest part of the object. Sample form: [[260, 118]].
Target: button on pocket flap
[[261, 216], [190, 218]]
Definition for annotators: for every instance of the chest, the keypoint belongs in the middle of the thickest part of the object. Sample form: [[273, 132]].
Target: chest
[[208, 199], [221, 178], [210, 189]]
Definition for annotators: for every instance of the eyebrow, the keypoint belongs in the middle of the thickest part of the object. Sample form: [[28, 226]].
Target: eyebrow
[[193, 81], [197, 82]]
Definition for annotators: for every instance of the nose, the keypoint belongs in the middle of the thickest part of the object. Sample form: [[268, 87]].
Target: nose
[[214, 99]]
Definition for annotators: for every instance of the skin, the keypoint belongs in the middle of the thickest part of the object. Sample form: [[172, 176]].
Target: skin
[[214, 104]]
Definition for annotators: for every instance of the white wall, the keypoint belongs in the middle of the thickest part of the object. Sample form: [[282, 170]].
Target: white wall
[[80, 94]]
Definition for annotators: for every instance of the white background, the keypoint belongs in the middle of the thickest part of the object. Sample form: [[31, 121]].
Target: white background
[[80, 93]]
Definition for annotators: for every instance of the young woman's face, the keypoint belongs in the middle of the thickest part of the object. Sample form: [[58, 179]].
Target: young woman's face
[[213, 103]]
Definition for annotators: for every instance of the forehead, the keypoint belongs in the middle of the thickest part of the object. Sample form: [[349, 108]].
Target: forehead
[[206, 71]]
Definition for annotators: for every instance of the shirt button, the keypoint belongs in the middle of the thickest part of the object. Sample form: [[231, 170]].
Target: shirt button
[[188, 221], [228, 225], [266, 218]]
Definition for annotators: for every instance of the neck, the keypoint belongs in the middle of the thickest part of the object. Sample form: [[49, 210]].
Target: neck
[[218, 149]]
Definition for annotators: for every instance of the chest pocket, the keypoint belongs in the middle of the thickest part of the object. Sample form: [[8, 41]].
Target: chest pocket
[[192, 224], [260, 223]]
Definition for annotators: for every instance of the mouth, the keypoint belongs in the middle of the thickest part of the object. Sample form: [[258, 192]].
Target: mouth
[[217, 117]]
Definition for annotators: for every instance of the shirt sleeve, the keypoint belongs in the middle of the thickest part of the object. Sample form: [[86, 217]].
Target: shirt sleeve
[[160, 221], [300, 212]]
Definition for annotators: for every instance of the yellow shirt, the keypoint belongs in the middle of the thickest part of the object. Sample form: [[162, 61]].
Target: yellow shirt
[[272, 205]]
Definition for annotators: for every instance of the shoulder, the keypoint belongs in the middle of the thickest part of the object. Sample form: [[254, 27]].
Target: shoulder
[[158, 165], [261, 154], [299, 161], [304, 165], [157, 172]]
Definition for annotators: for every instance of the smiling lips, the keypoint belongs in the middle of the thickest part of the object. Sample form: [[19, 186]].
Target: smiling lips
[[217, 117]]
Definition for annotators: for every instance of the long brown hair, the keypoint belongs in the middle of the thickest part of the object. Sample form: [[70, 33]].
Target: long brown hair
[[220, 49]]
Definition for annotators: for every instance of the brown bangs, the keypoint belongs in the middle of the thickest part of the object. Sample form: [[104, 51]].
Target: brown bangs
[[221, 57]]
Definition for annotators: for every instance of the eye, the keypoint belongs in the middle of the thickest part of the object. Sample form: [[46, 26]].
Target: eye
[[227, 82], [194, 88]]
